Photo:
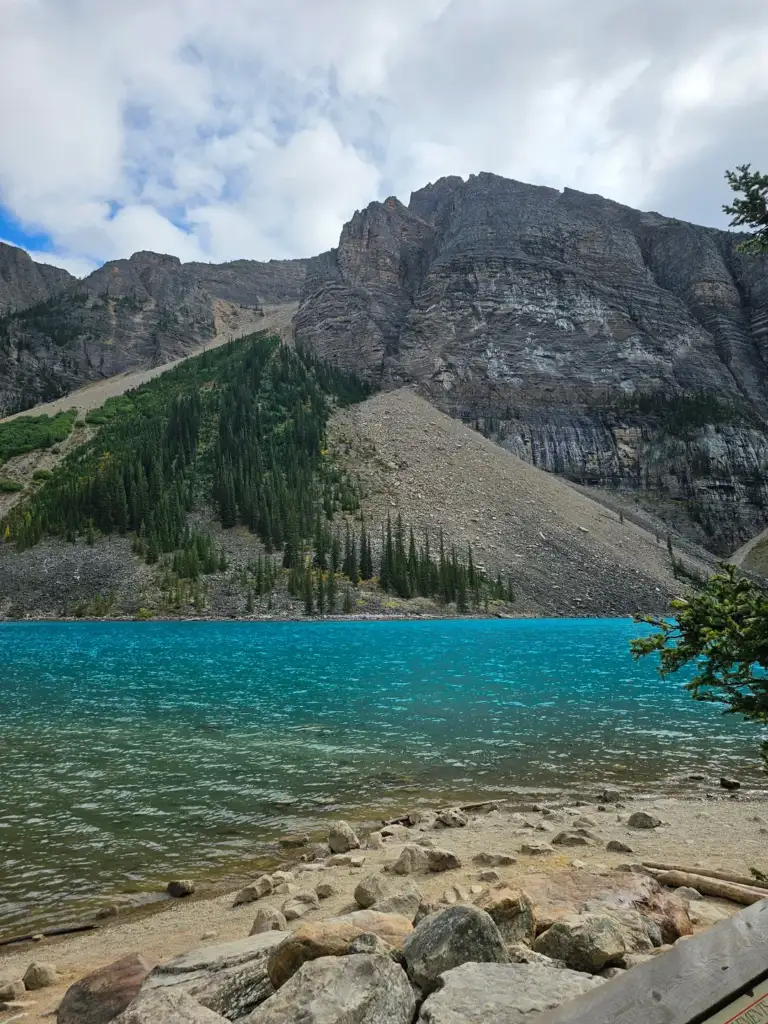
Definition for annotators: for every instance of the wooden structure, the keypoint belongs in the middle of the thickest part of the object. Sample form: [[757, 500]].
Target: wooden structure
[[718, 977]]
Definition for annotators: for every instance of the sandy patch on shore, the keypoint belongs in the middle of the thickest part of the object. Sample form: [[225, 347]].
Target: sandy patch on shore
[[718, 833]]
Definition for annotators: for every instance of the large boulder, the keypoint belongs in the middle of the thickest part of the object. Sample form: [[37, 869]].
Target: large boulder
[[229, 978], [332, 938], [586, 942], [40, 975], [341, 838], [342, 990], [452, 937], [489, 993], [512, 912], [168, 1007], [369, 890], [641, 934], [102, 995]]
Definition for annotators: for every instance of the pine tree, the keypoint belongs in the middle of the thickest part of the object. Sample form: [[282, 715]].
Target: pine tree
[[309, 604], [348, 605]]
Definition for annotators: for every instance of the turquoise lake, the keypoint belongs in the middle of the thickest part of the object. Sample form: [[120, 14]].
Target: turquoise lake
[[135, 752]]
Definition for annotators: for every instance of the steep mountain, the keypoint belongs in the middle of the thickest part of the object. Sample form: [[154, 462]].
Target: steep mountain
[[619, 348], [134, 313], [254, 480], [24, 283]]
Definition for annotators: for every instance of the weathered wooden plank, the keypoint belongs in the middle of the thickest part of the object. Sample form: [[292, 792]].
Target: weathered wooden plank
[[686, 985], [710, 886]]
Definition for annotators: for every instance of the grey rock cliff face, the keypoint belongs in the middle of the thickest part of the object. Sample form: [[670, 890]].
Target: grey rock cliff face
[[24, 283], [128, 314], [548, 319]]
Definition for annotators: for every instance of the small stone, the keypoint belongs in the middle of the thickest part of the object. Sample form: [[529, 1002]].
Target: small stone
[[697, 778], [584, 822], [180, 887], [356, 860], [686, 893], [375, 841], [610, 796], [578, 864], [255, 891], [283, 876], [292, 841], [341, 838], [40, 975], [494, 860], [611, 972], [476, 889], [339, 860], [268, 919], [729, 783], [536, 849], [570, 839], [405, 902], [641, 819], [545, 826], [208, 935], [325, 890], [490, 876], [616, 846], [300, 904]]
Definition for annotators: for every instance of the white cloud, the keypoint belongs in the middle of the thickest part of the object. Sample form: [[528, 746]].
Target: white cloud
[[254, 129]]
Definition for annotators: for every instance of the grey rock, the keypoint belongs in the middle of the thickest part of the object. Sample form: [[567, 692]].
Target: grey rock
[[536, 849], [610, 796], [254, 891], [405, 901], [642, 819], [268, 919], [11, 990], [102, 995], [342, 838], [512, 912], [229, 978], [342, 990], [442, 860], [180, 887], [616, 846], [726, 783], [40, 975], [631, 960], [586, 942], [451, 817], [490, 875], [704, 914], [568, 838], [369, 890], [300, 903], [686, 894], [369, 943], [325, 890], [519, 953], [612, 972], [412, 860], [494, 860], [163, 1006], [450, 938], [293, 841], [489, 993]]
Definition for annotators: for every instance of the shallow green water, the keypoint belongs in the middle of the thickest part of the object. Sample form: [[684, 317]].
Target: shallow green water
[[132, 752]]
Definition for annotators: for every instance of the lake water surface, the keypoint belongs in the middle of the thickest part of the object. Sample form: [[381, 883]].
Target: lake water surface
[[135, 752]]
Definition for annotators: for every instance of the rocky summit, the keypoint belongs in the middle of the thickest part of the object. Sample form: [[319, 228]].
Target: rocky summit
[[624, 350]]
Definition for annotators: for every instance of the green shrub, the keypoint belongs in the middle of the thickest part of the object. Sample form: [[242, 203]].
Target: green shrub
[[41, 474], [30, 433], [8, 486]]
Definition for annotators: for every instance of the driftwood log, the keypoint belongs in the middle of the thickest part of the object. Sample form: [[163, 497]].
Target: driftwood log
[[726, 876], [710, 886]]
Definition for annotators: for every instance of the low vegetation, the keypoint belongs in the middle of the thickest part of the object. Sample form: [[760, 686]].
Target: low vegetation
[[31, 433]]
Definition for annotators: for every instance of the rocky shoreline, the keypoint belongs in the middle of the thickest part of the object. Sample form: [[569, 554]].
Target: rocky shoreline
[[425, 918]]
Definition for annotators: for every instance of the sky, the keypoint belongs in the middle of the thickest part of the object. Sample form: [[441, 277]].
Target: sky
[[255, 128]]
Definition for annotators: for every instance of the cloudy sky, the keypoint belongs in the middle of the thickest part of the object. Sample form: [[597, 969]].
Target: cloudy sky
[[220, 129]]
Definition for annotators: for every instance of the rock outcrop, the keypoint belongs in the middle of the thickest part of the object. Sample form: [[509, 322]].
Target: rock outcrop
[[619, 348], [24, 283]]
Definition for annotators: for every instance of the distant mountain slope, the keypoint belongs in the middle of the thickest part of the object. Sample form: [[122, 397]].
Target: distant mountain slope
[[132, 314], [24, 283], [566, 554]]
